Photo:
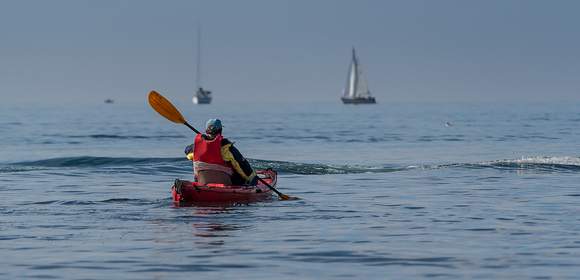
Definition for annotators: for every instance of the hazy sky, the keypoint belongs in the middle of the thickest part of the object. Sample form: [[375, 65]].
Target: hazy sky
[[86, 51]]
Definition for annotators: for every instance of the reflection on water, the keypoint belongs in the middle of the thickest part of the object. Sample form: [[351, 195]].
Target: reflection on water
[[213, 223], [213, 229]]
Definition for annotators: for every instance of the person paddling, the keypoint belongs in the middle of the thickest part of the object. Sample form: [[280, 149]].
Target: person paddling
[[217, 161]]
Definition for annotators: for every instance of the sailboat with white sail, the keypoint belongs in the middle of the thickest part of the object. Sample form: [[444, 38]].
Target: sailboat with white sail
[[202, 96], [356, 90]]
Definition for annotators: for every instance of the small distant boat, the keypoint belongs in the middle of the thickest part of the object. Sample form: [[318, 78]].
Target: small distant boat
[[356, 90], [109, 101], [202, 96]]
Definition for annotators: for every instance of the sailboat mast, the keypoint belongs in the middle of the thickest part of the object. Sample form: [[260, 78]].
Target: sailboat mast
[[198, 67]]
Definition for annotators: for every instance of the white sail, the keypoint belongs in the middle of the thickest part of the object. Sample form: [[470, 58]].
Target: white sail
[[362, 89], [351, 79]]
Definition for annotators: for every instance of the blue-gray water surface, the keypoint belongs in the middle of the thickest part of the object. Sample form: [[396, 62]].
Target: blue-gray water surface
[[388, 191]]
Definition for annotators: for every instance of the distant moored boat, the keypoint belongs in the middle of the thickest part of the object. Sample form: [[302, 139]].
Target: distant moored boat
[[356, 90], [202, 96]]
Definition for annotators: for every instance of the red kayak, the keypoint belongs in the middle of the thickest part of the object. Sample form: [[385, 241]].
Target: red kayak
[[191, 192]]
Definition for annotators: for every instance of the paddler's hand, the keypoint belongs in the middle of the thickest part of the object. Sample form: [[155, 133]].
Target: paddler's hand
[[189, 152]]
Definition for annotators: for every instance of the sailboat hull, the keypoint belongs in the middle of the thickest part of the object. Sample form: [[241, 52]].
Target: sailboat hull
[[201, 100], [358, 100]]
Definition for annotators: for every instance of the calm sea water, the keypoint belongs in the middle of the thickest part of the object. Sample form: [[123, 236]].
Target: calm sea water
[[388, 191]]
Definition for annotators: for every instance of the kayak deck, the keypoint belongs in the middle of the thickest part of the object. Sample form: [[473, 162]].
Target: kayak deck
[[184, 192]]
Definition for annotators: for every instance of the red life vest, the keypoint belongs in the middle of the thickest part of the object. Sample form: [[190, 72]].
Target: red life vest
[[208, 151]]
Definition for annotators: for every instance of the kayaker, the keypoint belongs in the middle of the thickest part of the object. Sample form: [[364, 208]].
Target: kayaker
[[216, 160]]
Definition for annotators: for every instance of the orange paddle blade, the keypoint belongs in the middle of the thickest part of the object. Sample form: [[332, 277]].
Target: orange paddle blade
[[164, 107]]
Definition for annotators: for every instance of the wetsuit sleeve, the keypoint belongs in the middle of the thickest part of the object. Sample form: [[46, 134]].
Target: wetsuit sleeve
[[238, 162]]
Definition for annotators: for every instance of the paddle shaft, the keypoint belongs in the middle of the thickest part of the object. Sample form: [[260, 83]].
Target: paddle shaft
[[272, 188], [191, 127]]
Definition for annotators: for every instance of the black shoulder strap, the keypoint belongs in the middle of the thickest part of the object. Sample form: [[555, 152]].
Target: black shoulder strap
[[225, 141]]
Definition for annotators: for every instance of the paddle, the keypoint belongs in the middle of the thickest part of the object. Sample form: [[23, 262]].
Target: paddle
[[164, 107]]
